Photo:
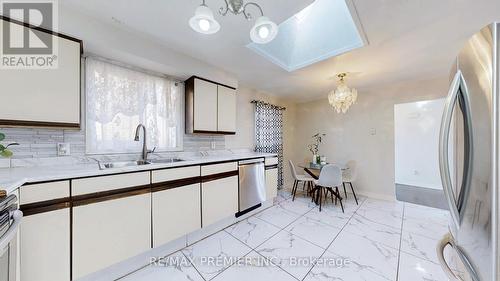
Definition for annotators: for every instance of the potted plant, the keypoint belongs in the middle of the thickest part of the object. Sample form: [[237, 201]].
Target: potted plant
[[4, 151], [314, 147]]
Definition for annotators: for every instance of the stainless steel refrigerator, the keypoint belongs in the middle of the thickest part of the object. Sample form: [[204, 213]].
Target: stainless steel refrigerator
[[469, 159]]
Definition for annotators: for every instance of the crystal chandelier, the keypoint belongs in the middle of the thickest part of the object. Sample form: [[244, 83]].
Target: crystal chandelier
[[263, 31], [342, 98]]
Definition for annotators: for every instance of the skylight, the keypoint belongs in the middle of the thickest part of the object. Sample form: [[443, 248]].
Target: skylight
[[320, 31]]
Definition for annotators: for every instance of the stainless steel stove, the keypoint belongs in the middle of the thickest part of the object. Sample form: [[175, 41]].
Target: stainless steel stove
[[10, 219]]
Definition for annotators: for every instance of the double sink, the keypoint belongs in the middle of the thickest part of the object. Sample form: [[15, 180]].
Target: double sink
[[123, 164]]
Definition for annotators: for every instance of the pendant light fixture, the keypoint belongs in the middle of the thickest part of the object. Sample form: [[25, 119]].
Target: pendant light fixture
[[343, 97], [263, 32]]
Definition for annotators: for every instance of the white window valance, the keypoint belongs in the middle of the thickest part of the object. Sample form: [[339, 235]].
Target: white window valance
[[119, 98]]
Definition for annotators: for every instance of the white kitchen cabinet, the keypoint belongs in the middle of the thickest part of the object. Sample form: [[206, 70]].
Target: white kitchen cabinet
[[44, 234], [109, 232], [210, 107], [271, 183], [176, 212], [226, 109], [43, 97], [44, 243], [205, 106], [220, 199]]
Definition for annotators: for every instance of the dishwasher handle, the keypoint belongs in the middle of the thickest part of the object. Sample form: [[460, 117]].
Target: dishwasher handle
[[251, 161]]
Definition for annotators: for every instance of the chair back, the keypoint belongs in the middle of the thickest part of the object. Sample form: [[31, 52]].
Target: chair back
[[330, 176], [351, 173], [292, 168]]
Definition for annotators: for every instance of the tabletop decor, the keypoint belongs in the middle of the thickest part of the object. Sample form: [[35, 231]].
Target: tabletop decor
[[314, 147], [4, 151]]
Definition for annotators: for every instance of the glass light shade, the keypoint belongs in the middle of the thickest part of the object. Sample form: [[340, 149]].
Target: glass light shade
[[264, 31], [203, 21], [342, 98]]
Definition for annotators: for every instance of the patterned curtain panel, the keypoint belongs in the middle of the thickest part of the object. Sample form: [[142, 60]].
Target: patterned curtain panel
[[269, 132]]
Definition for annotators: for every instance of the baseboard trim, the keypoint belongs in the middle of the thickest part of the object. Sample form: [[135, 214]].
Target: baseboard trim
[[425, 196]]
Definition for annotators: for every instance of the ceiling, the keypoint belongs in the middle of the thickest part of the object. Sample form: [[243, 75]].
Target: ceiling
[[408, 39]]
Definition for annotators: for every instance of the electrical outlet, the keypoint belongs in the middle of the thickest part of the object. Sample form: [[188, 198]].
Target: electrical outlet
[[212, 144], [63, 149]]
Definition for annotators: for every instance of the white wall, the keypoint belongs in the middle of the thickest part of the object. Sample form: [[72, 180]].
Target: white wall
[[416, 130], [365, 133]]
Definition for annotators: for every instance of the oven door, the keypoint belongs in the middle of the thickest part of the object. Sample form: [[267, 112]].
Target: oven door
[[8, 245]]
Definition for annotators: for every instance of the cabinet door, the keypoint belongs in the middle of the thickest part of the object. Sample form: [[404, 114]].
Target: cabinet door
[[45, 246], [271, 183], [108, 232], [205, 106], [220, 199], [226, 110], [176, 212]]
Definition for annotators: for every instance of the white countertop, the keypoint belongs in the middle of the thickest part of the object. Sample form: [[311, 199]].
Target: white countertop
[[12, 178]]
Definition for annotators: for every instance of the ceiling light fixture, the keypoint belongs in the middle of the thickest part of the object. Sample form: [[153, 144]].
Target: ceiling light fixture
[[342, 98], [263, 32]]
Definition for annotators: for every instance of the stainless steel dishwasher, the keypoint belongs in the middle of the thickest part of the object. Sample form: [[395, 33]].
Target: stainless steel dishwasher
[[252, 188]]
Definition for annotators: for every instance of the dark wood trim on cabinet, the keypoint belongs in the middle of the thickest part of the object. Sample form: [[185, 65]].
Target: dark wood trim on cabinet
[[45, 206], [211, 81], [24, 123], [271, 167], [219, 176], [213, 132], [161, 186], [97, 197]]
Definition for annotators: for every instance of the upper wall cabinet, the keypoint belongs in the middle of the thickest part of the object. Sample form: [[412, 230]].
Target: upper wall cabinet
[[210, 107], [41, 84]]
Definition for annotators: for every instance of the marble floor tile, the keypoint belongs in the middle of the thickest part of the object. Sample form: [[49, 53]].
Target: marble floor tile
[[429, 227], [342, 269], [174, 267], [254, 267], [378, 258], [393, 206], [424, 213], [333, 217], [412, 268], [299, 207], [252, 231], [314, 231], [215, 253], [283, 195], [389, 218], [292, 253], [377, 232], [278, 216]]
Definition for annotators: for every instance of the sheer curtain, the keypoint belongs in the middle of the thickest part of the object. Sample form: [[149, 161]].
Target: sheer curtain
[[118, 99], [269, 132]]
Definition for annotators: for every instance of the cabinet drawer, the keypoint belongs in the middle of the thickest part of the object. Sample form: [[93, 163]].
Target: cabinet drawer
[[176, 212], [175, 174], [271, 161], [33, 193], [219, 168], [106, 183]]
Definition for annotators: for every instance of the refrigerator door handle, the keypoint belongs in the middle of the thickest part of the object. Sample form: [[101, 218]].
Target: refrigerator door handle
[[448, 240], [444, 136]]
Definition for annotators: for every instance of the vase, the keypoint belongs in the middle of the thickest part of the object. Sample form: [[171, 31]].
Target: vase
[[315, 159]]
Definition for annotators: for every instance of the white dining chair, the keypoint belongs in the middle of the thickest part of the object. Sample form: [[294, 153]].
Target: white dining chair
[[298, 178], [330, 178], [348, 176]]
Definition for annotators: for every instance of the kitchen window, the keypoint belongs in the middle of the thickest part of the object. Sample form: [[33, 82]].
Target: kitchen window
[[120, 98]]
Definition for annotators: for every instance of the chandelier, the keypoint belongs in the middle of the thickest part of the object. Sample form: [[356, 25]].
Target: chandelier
[[263, 32], [342, 98]]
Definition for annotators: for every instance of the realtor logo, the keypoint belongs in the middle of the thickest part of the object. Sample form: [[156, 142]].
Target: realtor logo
[[28, 47]]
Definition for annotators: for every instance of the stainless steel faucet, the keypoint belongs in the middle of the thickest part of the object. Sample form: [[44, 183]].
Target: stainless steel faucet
[[144, 156]]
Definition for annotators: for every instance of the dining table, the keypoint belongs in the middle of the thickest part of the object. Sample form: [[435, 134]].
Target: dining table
[[315, 169]]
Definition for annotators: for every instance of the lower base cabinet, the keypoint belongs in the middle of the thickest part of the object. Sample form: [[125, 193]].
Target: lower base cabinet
[[271, 183], [219, 199], [45, 246], [109, 232], [176, 212]]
